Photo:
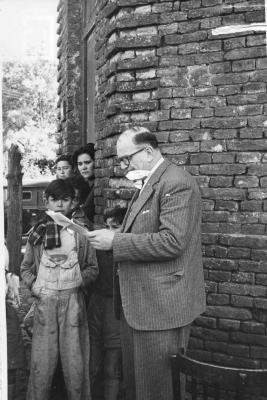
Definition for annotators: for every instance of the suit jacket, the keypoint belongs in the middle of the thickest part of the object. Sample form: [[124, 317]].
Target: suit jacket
[[159, 253]]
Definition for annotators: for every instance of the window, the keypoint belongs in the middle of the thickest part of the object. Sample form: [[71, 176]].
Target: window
[[26, 195]]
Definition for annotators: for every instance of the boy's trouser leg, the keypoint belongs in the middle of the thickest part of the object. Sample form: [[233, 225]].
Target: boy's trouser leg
[[112, 343], [112, 373], [96, 367], [74, 346], [95, 321], [44, 353], [127, 344]]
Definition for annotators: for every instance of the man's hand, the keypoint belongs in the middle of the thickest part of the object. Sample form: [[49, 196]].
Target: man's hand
[[101, 239]]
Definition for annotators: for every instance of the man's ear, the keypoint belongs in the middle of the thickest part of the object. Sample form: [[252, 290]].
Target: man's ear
[[150, 151]]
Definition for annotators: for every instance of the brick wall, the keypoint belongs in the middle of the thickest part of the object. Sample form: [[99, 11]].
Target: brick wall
[[159, 65], [69, 75]]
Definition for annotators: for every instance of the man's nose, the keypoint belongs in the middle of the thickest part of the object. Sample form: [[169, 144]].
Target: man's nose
[[59, 202], [123, 166]]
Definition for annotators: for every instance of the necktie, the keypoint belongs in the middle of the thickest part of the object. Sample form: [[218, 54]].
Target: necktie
[[142, 184]]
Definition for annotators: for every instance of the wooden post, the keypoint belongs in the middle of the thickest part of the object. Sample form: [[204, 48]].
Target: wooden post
[[3, 333], [14, 209]]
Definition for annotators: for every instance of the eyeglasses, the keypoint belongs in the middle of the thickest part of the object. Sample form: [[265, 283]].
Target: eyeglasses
[[127, 159]]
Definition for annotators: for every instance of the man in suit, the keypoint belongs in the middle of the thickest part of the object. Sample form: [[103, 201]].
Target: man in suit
[[160, 266]]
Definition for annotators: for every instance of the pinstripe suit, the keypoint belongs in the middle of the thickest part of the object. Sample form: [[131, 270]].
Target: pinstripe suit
[[160, 275]]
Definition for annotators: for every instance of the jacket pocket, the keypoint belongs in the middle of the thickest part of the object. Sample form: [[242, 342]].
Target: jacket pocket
[[179, 272]]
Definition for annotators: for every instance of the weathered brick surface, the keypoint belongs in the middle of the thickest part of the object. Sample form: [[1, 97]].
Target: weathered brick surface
[[69, 74], [159, 65]]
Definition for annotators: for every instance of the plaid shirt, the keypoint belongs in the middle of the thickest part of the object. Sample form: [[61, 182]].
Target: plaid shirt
[[46, 231]]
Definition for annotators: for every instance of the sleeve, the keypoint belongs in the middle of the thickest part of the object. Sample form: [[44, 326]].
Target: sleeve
[[88, 207], [89, 268], [178, 205], [27, 268]]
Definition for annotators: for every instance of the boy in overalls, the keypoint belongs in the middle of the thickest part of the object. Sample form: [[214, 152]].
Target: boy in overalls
[[57, 265]]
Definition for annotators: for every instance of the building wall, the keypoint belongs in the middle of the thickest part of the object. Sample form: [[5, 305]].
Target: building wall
[[159, 65], [69, 74]]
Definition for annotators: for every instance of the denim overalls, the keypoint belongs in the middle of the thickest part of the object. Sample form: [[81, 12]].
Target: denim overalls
[[60, 328]]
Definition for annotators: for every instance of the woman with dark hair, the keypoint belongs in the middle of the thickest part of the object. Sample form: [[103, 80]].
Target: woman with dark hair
[[83, 159]]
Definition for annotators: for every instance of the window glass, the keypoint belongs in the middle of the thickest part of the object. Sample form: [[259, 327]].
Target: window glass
[[26, 195]]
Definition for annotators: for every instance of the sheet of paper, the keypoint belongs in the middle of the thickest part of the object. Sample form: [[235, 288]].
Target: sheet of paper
[[61, 220]]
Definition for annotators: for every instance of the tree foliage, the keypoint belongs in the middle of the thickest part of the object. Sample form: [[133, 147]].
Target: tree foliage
[[29, 113]]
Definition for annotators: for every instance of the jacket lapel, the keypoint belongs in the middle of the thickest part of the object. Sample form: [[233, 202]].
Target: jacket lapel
[[134, 209], [133, 199]]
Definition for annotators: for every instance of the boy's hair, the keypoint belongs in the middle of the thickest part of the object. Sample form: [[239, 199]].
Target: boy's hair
[[79, 183], [116, 213], [89, 149], [65, 157], [59, 189]]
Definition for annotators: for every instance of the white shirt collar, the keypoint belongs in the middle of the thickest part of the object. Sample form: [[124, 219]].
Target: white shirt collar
[[151, 172]]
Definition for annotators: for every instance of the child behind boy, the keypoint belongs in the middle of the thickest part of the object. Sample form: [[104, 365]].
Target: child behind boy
[[104, 328], [57, 265], [64, 166]]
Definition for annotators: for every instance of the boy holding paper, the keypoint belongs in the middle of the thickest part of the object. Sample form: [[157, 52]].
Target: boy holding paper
[[57, 265]]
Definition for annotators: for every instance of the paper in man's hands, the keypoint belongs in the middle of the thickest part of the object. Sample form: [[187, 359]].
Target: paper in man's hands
[[62, 220]]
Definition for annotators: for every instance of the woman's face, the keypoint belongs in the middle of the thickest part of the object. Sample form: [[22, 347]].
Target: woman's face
[[85, 166], [63, 170]]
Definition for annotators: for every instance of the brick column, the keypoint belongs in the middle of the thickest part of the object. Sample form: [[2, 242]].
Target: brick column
[[69, 74]]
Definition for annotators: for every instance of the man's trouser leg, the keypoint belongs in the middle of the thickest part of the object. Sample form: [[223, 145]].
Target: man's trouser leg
[[74, 346], [150, 361], [44, 353]]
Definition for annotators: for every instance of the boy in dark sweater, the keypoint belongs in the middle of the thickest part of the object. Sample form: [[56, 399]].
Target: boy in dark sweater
[[104, 328]]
